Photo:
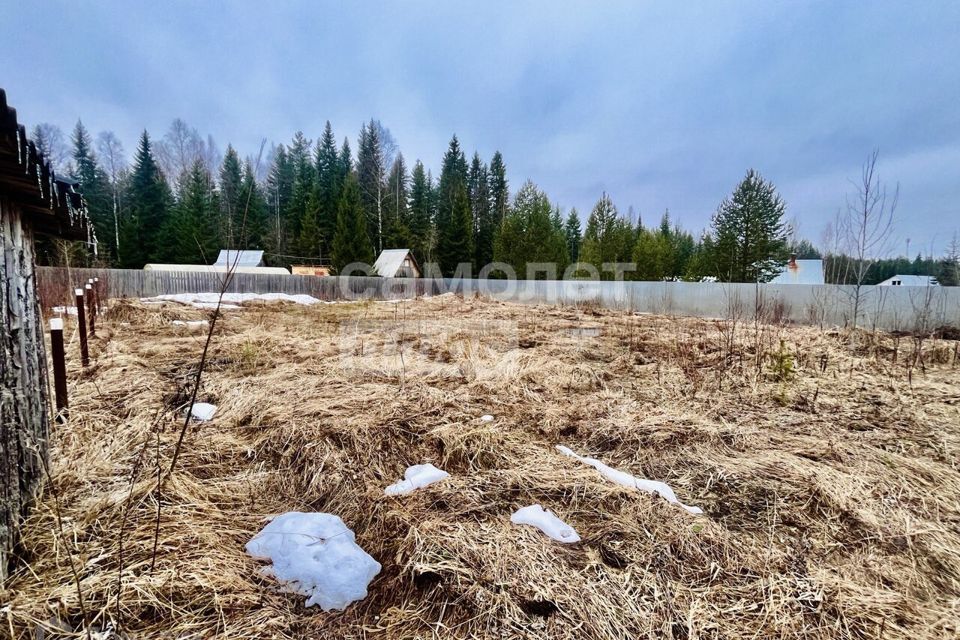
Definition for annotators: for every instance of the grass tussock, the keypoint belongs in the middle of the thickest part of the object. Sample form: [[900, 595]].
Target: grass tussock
[[829, 477]]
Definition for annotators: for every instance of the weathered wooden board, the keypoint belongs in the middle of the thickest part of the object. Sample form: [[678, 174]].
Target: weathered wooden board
[[24, 422]]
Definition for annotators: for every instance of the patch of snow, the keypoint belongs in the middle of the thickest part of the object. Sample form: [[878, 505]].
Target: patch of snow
[[487, 418], [189, 323], [70, 311], [554, 527], [416, 477], [626, 480], [315, 555], [203, 411], [209, 300]]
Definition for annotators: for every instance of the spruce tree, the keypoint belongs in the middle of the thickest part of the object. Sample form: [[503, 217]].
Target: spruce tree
[[454, 238], [231, 201], [254, 209], [483, 226], [279, 194], [608, 239], [148, 204], [571, 232], [701, 264], [499, 191], [371, 177], [530, 233], [350, 241], [94, 185], [651, 253], [556, 218], [345, 164], [304, 176], [421, 214], [329, 180], [396, 208], [749, 232], [192, 233], [309, 240]]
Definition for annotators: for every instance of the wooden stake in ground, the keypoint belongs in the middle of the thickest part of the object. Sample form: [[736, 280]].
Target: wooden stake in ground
[[59, 368], [91, 310], [101, 294], [94, 296], [82, 328]]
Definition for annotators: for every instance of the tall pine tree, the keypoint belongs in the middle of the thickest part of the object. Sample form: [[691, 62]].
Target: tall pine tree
[[279, 194], [454, 237], [94, 185], [232, 201], [530, 233], [192, 233], [148, 205], [608, 239], [749, 232], [499, 189], [421, 214], [254, 209], [301, 206], [329, 181], [483, 224], [350, 241], [396, 207], [571, 232], [371, 178]]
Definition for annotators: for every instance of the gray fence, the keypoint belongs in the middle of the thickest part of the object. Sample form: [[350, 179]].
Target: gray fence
[[890, 308]]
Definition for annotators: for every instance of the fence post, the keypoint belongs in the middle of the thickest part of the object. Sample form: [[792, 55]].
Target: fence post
[[91, 310], [101, 294], [94, 301], [59, 368], [82, 328]]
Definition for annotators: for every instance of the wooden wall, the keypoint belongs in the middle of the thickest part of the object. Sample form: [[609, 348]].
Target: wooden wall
[[57, 283], [23, 380]]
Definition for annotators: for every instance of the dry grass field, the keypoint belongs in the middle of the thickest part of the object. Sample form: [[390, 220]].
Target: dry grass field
[[828, 476]]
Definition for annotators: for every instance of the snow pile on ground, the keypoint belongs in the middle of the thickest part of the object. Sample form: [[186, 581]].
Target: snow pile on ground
[[70, 311], [416, 477], [209, 300], [203, 411], [554, 527], [315, 555], [189, 323], [625, 479]]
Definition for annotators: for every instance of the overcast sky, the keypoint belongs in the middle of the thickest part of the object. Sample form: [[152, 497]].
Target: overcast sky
[[662, 105]]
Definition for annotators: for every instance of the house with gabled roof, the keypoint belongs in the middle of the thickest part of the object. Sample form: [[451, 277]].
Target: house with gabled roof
[[397, 263]]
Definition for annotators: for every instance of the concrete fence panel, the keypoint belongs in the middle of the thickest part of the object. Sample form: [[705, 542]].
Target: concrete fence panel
[[889, 308]]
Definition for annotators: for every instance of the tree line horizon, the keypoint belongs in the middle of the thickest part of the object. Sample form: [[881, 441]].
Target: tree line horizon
[[315, 203]]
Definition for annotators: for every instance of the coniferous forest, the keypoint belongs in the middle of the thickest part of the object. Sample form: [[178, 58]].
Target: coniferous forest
[[179, 199]]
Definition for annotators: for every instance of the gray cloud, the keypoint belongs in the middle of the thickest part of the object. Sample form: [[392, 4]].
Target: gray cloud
[[661, 106]]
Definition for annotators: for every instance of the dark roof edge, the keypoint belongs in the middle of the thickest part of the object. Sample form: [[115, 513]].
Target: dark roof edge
[[53, 205]]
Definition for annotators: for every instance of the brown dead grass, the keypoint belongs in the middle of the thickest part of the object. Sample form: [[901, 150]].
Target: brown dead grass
[[830, 498]]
